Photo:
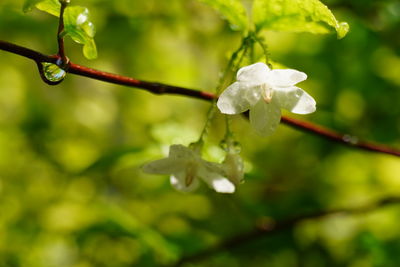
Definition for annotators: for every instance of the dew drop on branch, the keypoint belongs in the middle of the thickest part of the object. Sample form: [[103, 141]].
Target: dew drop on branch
[[52, 72], [350, 139]]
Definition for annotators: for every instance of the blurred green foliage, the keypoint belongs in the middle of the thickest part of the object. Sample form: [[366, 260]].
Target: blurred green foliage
[[297, 16], [71, 189]]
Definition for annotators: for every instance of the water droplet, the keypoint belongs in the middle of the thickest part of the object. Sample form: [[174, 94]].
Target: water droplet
[[224, 145], [89, 29], [237, 147], [230, 146], [342, 29], [350, 139], [298, 94], [82, 17], [52, 72]]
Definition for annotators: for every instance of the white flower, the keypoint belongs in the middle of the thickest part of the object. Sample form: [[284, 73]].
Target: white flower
[[265, 92], [233, 167], [185, 166]]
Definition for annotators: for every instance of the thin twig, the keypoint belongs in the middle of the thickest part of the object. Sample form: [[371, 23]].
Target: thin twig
[[160, 88], [26, 52], [60, 34], [153, 87], [344, 139], [266, 229]]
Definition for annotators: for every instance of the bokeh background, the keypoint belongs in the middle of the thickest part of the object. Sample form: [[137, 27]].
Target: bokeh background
[[71, 189]]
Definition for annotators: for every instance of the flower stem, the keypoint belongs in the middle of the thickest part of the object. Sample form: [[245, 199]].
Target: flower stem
[[60, 35], [264, 47], [229, 67]]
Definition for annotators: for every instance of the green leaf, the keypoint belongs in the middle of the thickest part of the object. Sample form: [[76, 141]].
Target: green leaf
[[29, 5], [90, 50], [78, 26], [50, 6], [231, 10], [297, 16]]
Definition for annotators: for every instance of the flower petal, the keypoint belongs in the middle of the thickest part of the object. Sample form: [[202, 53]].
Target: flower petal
[[286, 77], [254, 74], [178, 181], [222, 185], [207, 166], [233, 167], [265, 117], [295, 100], [233, 100], [180, 152], [214, 179], [164, 166]]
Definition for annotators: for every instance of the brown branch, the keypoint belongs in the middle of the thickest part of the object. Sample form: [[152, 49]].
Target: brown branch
[[153, 87], [266, 229], [26, 52], [159, 88], [60, 33], [344, 139]]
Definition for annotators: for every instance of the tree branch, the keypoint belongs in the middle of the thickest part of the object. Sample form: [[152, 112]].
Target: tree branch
[[60, 37], [26, 52], [344, 139], [152, 87], [266, 229], [160, 88]]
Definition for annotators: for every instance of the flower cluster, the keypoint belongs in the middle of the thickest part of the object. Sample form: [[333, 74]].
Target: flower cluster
[[186, 167], [264, 92]]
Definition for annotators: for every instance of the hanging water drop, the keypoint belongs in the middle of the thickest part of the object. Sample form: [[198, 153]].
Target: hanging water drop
[[82, 17], [237, 147], [350, 139], [224, 145], [342, 29], [52, 72], [230, 146], [89, 29]]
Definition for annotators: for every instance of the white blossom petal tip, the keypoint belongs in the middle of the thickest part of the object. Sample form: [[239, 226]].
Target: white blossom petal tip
[[286, 77], [223, 185], [232, 100], [255, 74], [296, 100], [306, 105]]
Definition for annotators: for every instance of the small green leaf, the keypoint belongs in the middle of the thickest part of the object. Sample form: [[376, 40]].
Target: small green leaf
[[78, 26], [297, 16], [90, 50], [76, 23], [29, 5], [50, 6], [231, 10]]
